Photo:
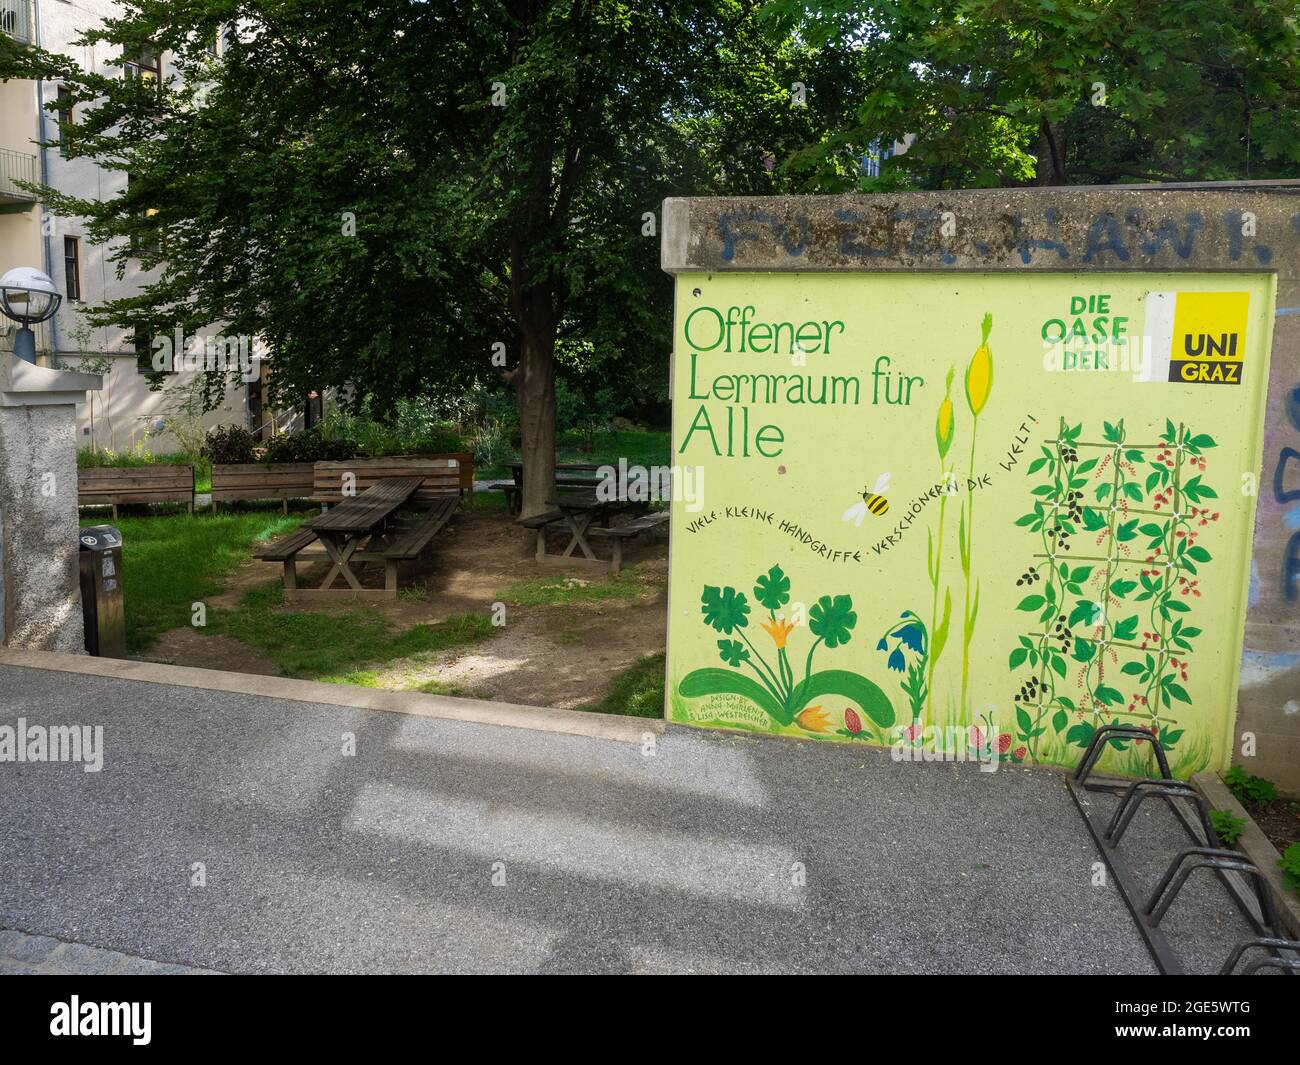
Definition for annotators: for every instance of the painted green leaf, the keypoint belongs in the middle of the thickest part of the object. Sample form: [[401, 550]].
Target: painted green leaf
[[711, 681], [833, 619], [941, 633], [1108, 695], [1023, 719], [732, 651], [1031, 602], [724, 609], [1018, 657], [772, 589], [1060, 719], [1133, 668], [874, 702], [1081, 734], [1083, 649]]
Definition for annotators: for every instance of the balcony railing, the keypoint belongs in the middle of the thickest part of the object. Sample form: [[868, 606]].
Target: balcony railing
[[15, 167], [16, 20]]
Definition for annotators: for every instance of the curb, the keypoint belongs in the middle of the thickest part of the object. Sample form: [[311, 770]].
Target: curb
[[1254, 844], [445, 707]]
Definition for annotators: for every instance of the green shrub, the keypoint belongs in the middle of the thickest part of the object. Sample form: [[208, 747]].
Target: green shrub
[[309, 446], [1290, 866], [230, 444], [1255, 791], [1228, 825], [413, 427]]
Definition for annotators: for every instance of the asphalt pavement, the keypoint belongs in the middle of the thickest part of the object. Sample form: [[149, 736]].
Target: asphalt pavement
[[238, 833]]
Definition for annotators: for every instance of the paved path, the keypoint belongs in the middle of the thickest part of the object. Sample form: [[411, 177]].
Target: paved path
[[231, 832], [24, 955]]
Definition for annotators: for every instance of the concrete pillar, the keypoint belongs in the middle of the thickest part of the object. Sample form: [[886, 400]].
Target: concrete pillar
[[40, 595]]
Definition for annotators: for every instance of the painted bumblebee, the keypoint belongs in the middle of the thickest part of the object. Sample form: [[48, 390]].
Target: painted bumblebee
[[873, 502]]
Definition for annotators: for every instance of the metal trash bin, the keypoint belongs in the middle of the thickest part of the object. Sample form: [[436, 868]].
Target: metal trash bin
[[102, 604]]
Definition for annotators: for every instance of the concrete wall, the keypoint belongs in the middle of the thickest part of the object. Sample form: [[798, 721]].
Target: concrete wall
[[40, 593], [1246, 227]]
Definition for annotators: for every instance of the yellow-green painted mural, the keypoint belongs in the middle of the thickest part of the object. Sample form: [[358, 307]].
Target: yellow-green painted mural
[[967, 516]]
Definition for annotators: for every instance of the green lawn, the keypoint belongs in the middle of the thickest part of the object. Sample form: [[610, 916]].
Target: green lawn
[[172, 561], [334, 646], [638, 692]]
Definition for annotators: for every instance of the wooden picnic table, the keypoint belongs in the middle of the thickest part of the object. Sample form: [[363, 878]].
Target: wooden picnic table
[[567, 475], [576, 512], [342, 528]]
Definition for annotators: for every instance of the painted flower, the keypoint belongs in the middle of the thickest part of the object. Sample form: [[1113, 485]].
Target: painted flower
[[979, 373], [772, 589], [779, 630], [913, 732], [896, 661], [833, 619], [852, 723], [733, 652], [724, 609], [882, 645], [814, 719], [943, 425]]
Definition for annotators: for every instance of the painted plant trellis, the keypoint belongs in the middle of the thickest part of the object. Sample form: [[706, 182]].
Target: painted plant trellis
[[1112, 590]]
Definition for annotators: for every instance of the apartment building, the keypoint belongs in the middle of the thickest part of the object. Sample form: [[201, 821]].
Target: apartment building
[[127, 413]]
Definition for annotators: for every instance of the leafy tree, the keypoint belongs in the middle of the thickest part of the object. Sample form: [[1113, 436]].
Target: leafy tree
[[1052, 92], [384, 190]]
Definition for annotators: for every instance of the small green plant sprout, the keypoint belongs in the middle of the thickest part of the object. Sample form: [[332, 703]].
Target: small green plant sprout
[[1227, 825], [1254, 791], [1289, 863]]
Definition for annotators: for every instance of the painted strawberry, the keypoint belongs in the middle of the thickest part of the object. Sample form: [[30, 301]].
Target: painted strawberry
[[1019, 754], [852, 723], [976, 737], [1004, 743]]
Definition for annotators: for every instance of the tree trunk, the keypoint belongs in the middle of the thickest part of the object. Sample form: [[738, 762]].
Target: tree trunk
[[1051, 156], [535, 391]]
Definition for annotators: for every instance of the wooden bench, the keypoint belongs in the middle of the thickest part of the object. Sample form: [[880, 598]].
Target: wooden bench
[[617, 534], [262, 480], [114, 485], [443, 476]]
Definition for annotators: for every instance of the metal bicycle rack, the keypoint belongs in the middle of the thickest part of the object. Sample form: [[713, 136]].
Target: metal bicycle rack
[[1232, 868]]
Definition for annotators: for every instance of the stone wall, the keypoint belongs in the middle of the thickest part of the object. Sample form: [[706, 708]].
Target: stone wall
[[39, 585]]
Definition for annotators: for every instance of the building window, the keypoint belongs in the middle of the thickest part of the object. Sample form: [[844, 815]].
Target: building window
[[145, 63], [72, 268], [66, 116]]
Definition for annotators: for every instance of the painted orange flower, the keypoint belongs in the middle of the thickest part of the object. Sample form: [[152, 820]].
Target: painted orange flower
[[814, 719], [779, 630]]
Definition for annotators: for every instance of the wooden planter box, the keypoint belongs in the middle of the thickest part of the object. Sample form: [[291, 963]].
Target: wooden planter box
[[113, 485], [261, 480]]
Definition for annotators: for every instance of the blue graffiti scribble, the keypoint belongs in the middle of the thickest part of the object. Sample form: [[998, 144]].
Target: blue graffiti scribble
[[731, 237], [1107, 225]]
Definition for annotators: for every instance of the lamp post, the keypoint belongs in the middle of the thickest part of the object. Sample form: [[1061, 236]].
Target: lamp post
[[27, 296]]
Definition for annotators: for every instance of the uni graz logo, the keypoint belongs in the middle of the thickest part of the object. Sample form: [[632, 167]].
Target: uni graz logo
[[1207, 336]]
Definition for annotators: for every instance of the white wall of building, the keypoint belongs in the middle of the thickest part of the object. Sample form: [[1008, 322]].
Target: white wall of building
[[127, 414]]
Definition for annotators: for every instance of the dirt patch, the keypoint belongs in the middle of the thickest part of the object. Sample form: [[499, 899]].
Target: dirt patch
[[190, 647], [556, 656], [1279, 821], [562, 655]]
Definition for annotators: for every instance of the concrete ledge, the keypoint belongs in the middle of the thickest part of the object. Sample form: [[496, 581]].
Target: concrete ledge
[[477, 711], [1254, 844]]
